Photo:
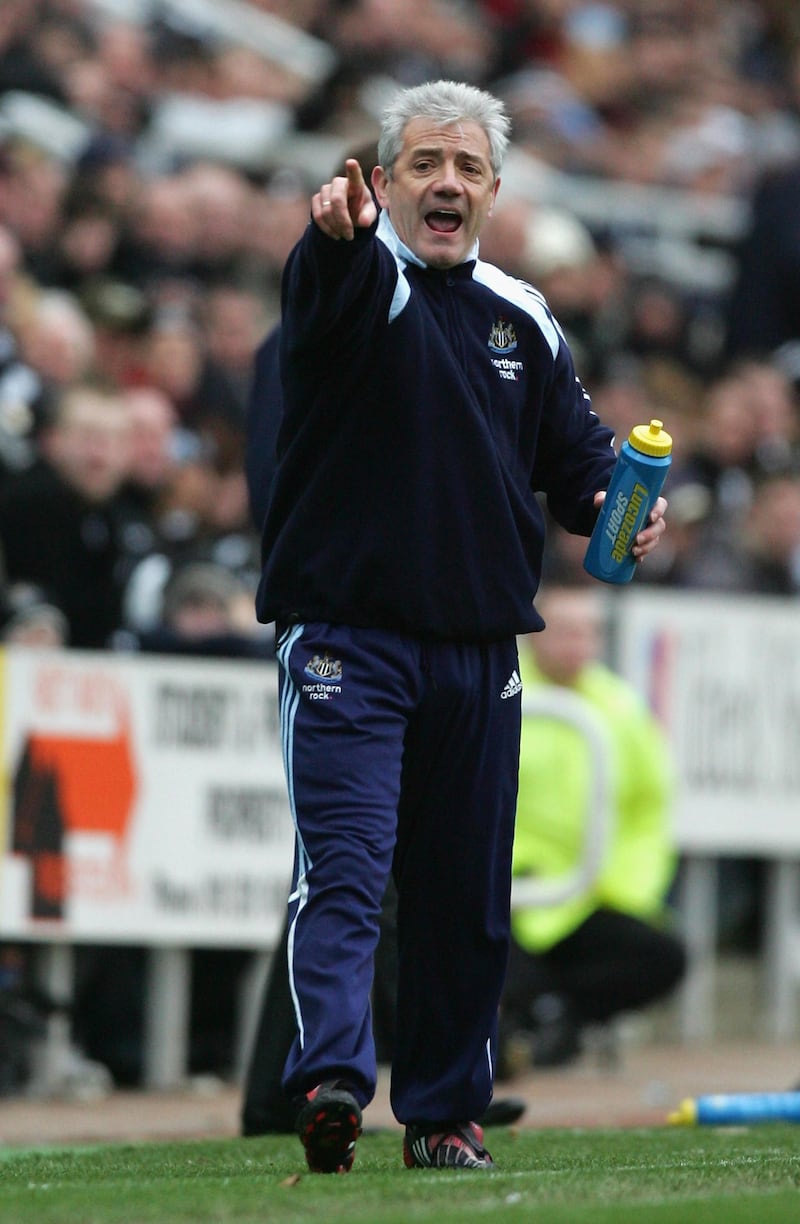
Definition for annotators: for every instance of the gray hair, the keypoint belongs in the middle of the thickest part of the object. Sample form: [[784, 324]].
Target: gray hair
[[445, 102]]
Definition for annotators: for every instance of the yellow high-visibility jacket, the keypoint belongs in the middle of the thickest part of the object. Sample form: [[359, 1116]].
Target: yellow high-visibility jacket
[[640, 857]]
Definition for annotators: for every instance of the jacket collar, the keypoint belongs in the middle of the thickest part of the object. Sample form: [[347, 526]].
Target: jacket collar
[[388, 235]]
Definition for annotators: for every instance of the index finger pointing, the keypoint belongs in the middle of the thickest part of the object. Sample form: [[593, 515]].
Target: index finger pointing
[[355, 177]]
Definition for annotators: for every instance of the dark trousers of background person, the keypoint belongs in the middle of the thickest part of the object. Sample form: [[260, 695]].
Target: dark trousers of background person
[[265, 1107], [612, 963]]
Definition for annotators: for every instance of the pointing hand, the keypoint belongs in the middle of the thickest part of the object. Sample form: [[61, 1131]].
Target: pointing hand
[[344, 203]]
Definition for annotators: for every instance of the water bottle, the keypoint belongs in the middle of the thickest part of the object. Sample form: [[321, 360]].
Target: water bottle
[[636, 482], [738, 1109]]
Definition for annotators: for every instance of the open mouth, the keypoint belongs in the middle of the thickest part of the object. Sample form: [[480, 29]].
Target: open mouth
[[443, 221]]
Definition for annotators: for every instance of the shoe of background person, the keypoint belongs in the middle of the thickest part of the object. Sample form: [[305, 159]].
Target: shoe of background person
[[504, 1111], [329, 1123], [446, 1146]]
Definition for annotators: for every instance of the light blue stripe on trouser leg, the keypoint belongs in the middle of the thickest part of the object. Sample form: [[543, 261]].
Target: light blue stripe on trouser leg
[[289, 701], [346, 765]]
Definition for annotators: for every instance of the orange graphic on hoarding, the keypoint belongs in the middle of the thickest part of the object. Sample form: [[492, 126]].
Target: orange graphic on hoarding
[[67, 784], [96, 779]]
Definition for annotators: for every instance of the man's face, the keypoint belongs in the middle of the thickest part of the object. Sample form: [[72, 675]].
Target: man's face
[[441, 190], [89, 446], [574, 635]]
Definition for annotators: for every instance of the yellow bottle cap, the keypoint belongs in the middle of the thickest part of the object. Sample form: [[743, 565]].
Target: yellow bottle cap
[[651, 439], [685, 1114]]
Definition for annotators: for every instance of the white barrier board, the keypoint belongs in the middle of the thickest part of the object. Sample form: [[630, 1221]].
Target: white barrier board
[[143, 800], [723, 675]]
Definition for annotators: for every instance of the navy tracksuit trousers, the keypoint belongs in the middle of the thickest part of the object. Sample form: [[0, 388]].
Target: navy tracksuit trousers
[[399, 754]]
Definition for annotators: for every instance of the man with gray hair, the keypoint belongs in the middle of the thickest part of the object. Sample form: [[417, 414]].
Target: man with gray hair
[[427, 399]]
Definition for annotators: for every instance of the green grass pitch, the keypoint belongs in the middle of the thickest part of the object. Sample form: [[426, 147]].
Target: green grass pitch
[[655, 1176]]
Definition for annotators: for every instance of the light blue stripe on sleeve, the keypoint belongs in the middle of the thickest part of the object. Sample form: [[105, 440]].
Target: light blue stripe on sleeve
[[522, 295]]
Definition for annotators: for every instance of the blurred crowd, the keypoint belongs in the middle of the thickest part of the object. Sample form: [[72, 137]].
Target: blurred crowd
[[156, 160]]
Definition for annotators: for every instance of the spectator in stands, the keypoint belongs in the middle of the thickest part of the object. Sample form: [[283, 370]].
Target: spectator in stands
[[155, 447], [60, 519], [279, 214], [746, 431], [176, 360], [105, 172], [30, 617], [120, 314], [162, 243], [87, 242], [722, 458], [774, 402], [35, 184], [23, 396], [173, 503], [100, 83], [206, 610], [411, 40], [125, 48], [57, 338], [609, 949], [763, 556], [233, 322], [161, 523], [658, 324], [220, 199], [22, 66]]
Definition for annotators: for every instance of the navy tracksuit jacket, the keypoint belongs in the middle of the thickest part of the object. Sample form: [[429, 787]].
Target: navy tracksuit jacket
[[402, 543]]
